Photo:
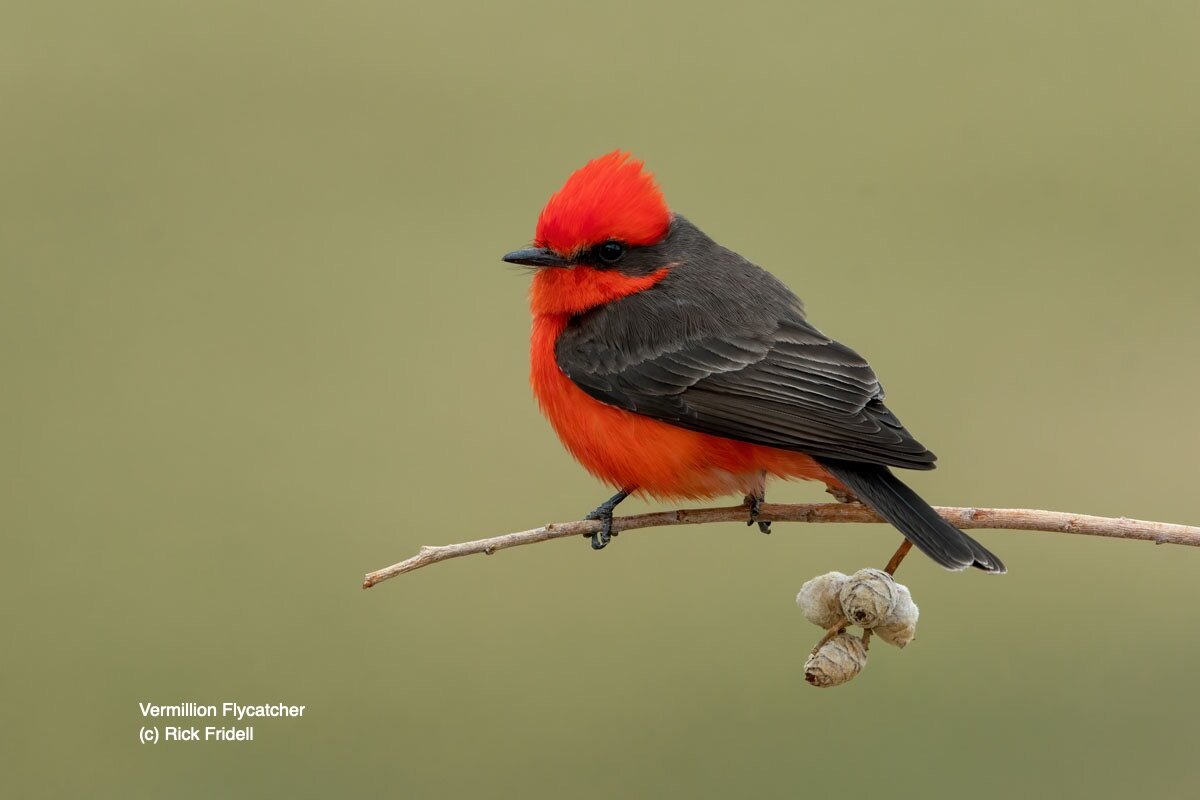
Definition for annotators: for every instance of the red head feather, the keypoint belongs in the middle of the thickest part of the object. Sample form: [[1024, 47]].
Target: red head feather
[[610, 197]]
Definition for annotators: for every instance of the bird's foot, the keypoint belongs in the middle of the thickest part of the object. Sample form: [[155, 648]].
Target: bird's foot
[[604, 514], [755, 505], [842, 495], [602, 537]]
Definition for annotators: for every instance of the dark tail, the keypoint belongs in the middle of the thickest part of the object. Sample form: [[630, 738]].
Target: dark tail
[[878, 488]]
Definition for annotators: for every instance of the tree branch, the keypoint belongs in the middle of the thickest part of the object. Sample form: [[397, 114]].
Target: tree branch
[[967, 518]]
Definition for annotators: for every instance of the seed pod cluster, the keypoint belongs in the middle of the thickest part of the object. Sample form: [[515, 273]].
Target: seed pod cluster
[[870, 599]]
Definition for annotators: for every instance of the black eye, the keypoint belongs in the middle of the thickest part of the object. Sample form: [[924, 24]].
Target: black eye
[[611, 252]]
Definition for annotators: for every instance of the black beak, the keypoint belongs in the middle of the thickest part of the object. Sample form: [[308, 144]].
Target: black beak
[[537, 257]]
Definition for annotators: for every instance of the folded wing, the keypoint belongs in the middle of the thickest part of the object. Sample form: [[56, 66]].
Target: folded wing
[[780, 383]]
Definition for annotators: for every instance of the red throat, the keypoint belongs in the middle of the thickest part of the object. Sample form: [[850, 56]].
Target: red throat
[[572, 291]]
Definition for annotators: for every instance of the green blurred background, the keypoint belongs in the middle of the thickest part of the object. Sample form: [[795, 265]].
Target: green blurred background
[[257, 340]]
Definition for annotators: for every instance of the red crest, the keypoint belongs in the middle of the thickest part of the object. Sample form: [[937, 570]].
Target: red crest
[[610, 197]]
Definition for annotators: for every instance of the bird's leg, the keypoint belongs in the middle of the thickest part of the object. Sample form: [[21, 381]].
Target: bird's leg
[[754, 503], [604, 513]]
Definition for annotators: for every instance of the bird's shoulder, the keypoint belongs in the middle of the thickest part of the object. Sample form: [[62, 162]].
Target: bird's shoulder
[[708, 293]]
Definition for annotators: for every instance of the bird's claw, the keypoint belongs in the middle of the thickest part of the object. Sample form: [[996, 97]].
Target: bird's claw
[[604, 514], [755, 506], [602, 537]]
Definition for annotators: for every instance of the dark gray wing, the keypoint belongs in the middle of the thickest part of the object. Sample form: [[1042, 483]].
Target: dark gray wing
[[773, 380]]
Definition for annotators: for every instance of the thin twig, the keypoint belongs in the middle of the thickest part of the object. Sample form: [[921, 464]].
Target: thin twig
[[897, 557], [967, 518]]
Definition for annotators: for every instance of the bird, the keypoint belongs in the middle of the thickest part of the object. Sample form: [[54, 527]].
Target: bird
[[673, 368]]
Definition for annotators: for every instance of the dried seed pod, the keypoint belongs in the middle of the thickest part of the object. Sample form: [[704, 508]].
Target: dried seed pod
[[898, 635], [838, 660], [900, 627], [868, 597], [818, 599]]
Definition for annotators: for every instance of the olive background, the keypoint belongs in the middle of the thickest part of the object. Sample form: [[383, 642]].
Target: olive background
[[257, 340]]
